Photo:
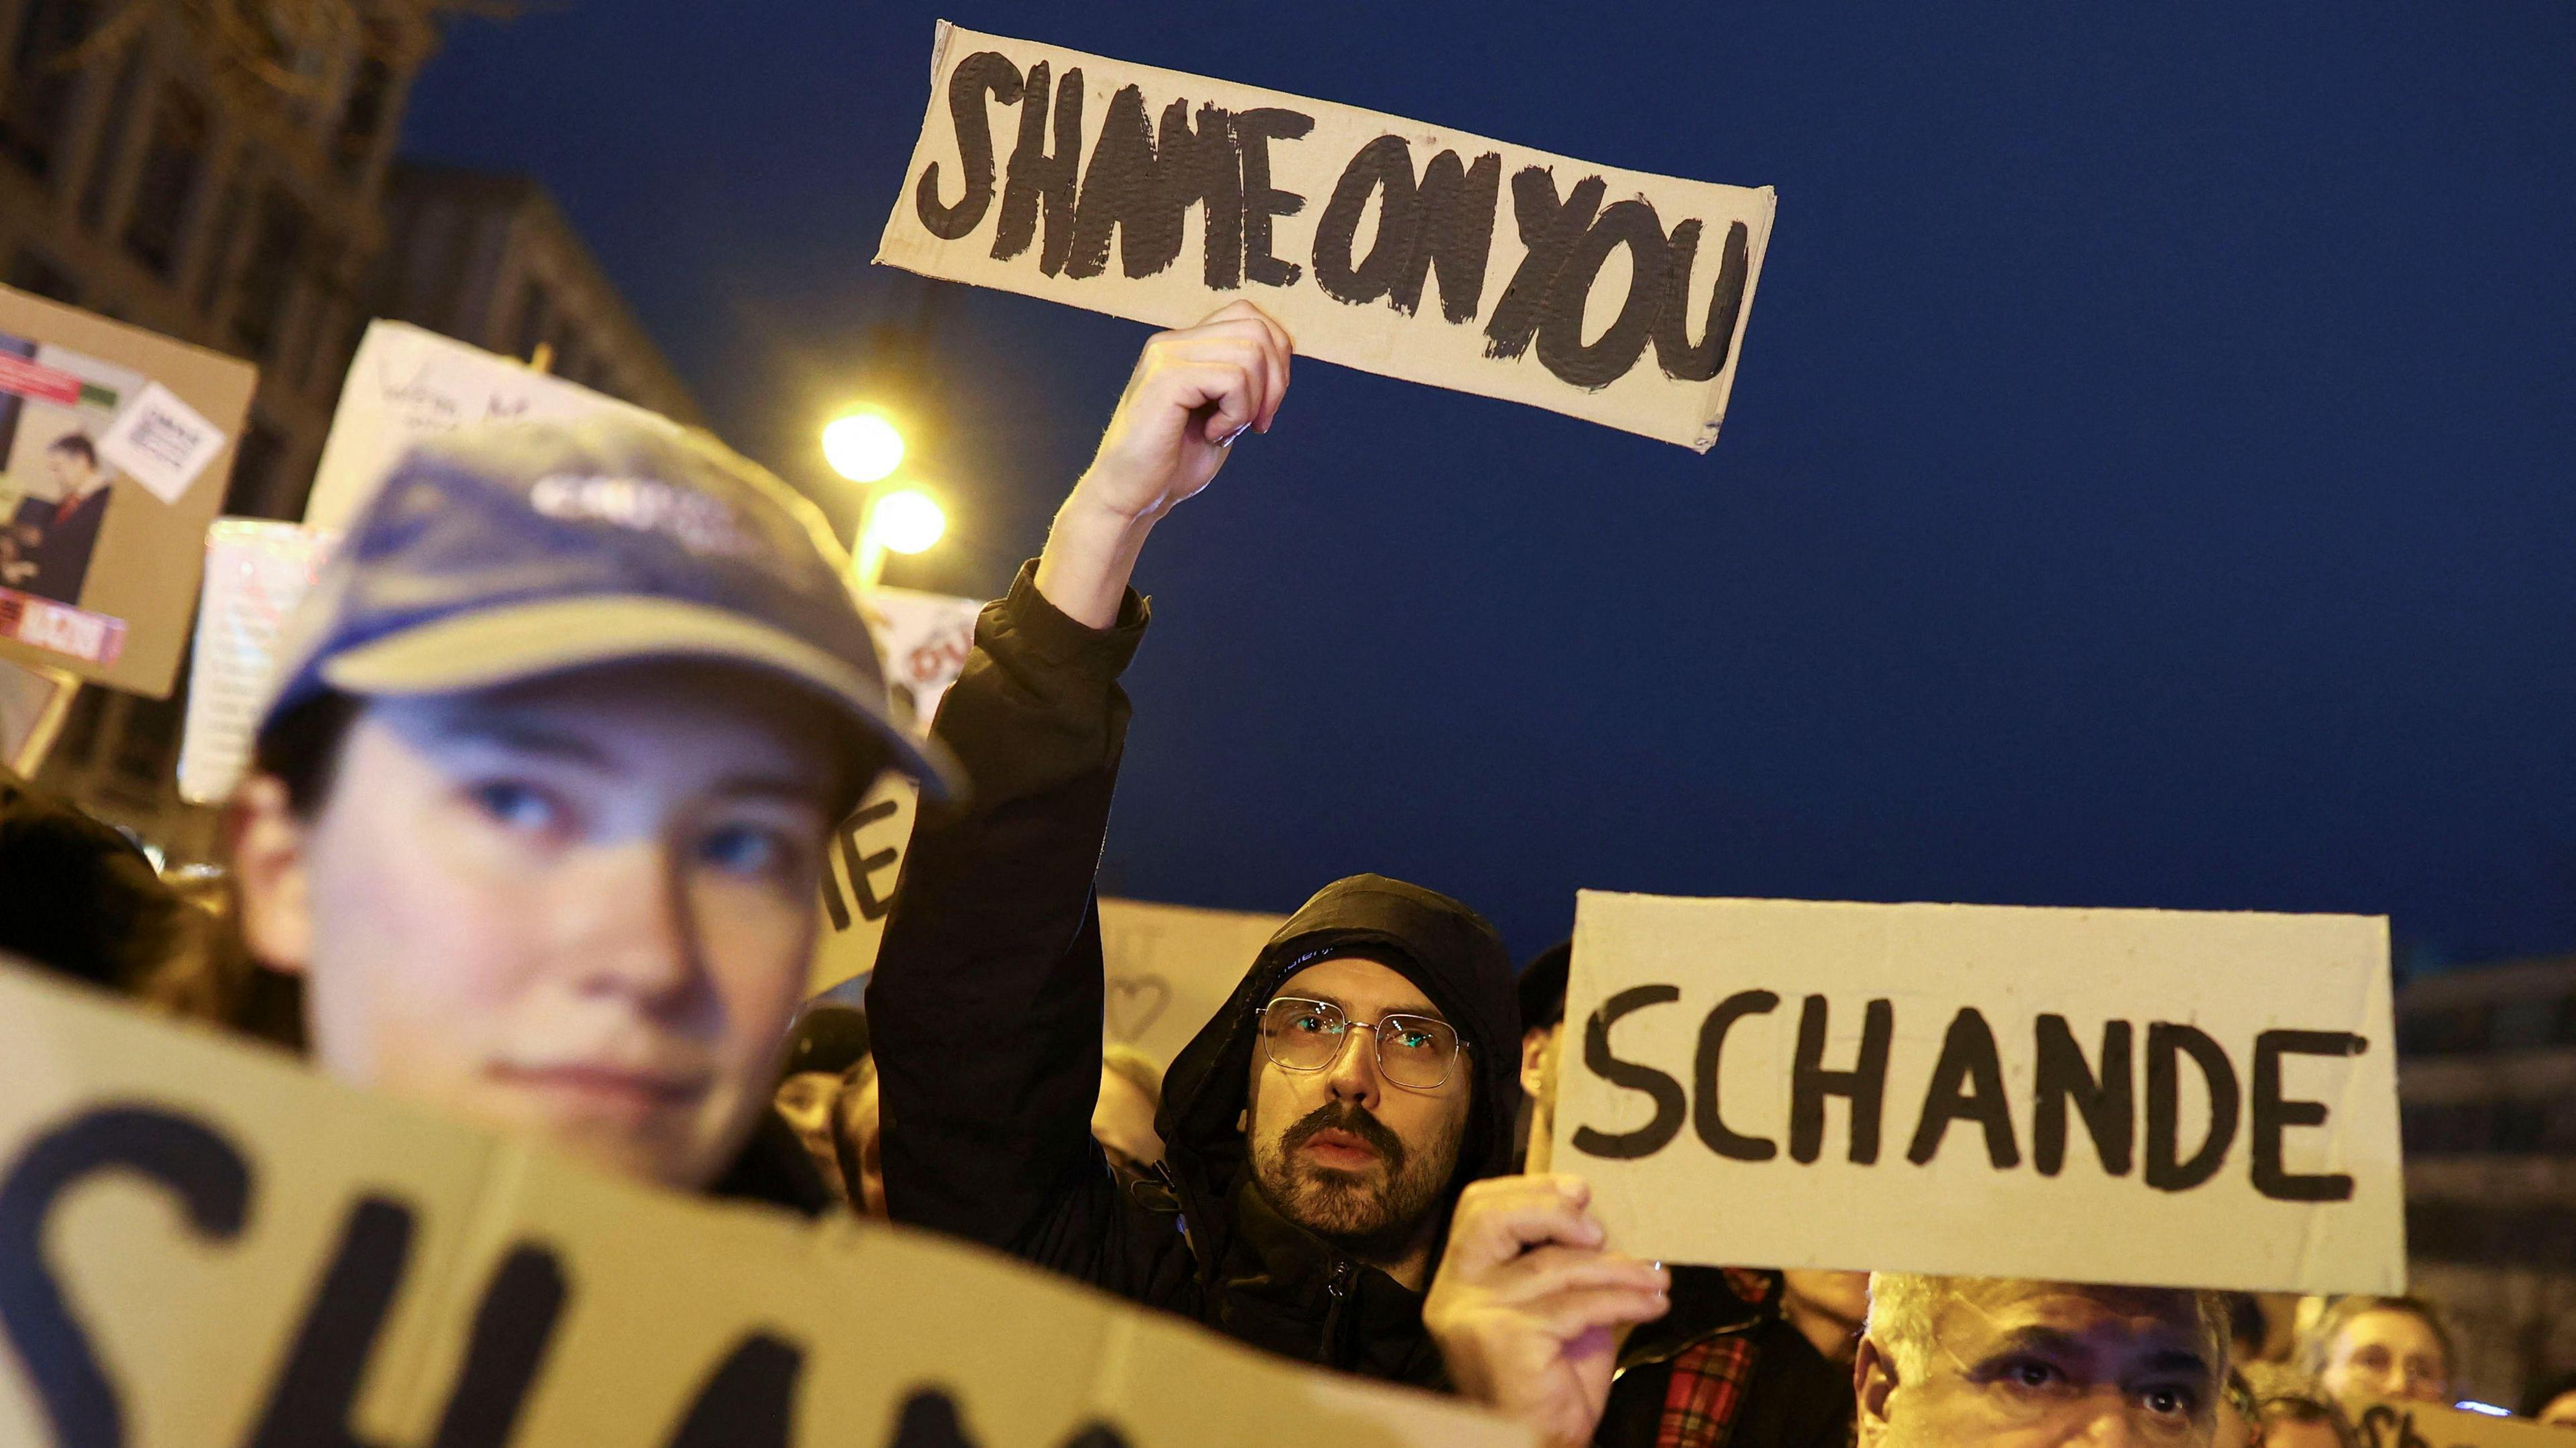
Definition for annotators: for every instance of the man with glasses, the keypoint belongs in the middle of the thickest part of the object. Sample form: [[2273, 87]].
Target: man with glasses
[[1319, 1129]]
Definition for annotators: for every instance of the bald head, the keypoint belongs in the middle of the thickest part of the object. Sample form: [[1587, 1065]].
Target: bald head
[[2020, 1364]]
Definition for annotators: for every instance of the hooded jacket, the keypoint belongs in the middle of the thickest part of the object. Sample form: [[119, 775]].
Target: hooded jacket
[[986, 1015]]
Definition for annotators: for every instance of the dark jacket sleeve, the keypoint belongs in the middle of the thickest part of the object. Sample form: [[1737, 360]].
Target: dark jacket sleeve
[[985, 1008]]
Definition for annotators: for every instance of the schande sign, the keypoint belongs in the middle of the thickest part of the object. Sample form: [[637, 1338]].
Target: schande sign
[[1379, 243], [2128, 1096], [203, 1245]]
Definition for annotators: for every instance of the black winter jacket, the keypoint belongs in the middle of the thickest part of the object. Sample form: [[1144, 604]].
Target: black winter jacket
[[986, 1016]]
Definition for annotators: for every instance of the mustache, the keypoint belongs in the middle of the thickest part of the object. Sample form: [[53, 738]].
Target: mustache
[[1346, 1116]]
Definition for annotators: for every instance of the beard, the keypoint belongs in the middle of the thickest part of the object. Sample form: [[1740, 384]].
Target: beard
[[1374, 1215]]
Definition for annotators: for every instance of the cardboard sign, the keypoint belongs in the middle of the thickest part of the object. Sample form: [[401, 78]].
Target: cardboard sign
[[256, 573], [1172, 967], [2421, 1425], [114, 446], [1379, 243], [2121, 1096], [406, 384], [203, 1244], [922, 641]]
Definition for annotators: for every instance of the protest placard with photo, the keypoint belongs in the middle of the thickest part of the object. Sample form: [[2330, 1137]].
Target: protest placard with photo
[[1379, 243], [2131, 1096], [201, 1243], [115, 445]]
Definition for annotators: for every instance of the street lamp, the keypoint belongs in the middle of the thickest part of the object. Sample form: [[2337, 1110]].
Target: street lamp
[[863, 446], [906, 520]]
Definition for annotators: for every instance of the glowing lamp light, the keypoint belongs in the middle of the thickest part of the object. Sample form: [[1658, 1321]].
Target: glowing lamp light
[[907, 520], [863, 447]]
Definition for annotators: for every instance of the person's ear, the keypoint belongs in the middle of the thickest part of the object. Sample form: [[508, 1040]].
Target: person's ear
[[1873, 1380], [268, 845], [1534, 1060]]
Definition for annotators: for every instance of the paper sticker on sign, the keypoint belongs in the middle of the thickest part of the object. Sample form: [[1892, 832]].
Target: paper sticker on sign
[[162, 443], [2128, 1096], [1379, 243]]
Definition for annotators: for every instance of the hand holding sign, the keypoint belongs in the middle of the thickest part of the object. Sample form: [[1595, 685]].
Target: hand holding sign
[[1527, 1305]]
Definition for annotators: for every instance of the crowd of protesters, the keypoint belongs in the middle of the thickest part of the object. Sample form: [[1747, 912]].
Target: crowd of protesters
[[533, 836]]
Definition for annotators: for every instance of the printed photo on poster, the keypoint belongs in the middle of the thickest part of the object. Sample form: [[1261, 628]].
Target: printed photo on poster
[[114, 446]]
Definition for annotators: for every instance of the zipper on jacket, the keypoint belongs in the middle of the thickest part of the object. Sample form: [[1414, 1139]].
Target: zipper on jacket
[[1338, 1287]]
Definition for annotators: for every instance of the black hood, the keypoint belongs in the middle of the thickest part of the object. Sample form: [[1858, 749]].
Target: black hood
[[1431, 940]]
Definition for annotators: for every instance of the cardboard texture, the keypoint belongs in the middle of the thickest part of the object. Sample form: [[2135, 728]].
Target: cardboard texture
[[34, 700], [922, 641], [2123, 1096], [1379, 243], [406, 384], [103, 588], [256, 573], [1170, 967], [202, 1243], [2421, 1425]]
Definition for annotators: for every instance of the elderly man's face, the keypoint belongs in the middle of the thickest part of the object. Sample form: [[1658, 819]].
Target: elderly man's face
[[2026, 1364]]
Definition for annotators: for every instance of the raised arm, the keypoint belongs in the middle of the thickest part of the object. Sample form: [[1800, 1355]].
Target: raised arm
[[986, 1004]]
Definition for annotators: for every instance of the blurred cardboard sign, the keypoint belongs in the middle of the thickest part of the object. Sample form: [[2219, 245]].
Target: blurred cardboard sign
[[203, 1244], [1379, 243], [2125, 1096], [256, 573], [2422, 1425], [115, 444], [922, 642], [406, 384], [1172, 967]]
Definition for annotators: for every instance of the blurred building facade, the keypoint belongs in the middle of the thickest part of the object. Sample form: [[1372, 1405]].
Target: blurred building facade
[[2487, 1087], [241, 193]]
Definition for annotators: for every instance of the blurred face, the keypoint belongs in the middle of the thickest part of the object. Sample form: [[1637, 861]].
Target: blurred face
[[2026, 1364], [2386, 1355], [1123, 1123], [861, 1134], [578, 909], [1342, 1151], [71, 473], [804, 1101]]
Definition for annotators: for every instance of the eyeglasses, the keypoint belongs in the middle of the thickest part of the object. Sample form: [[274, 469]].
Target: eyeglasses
[[1415, 1052]]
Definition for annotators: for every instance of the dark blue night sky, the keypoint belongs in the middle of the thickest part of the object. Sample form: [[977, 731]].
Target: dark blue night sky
[[2151, 478]]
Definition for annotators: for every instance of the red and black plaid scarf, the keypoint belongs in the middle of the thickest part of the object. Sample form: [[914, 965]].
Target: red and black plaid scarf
[[1710, 1376]]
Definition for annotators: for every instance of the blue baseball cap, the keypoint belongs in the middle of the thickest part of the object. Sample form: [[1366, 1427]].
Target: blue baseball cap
[[508, 553]]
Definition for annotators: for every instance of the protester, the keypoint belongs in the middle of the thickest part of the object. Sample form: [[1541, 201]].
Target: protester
[[1318, 1129], [1131, 1091], [2009, 1362], [2240, 1423], [1743, 1358], [539, 809], [827, 1042], [2365, 1348], [78, 898], [858, 1140], [2297, 1421], [1541, 990]]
